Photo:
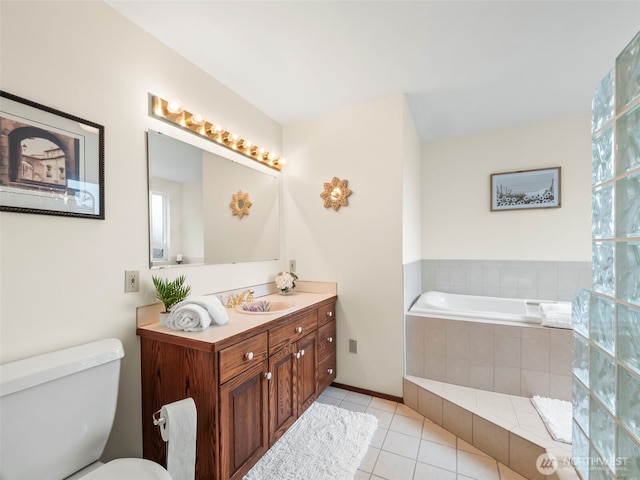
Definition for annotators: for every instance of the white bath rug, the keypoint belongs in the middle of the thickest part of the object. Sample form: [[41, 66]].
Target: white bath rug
[[326, 443], [556, 415]]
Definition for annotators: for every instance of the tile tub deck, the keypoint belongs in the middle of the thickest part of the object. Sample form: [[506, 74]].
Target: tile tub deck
[[506, 427]]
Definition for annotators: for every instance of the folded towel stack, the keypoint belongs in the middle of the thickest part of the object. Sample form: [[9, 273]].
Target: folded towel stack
[[556, 315], [197, 314]]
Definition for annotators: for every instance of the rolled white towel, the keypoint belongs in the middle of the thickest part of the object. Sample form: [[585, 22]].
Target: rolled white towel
[[556, 315], [190, 318], [209, 310]]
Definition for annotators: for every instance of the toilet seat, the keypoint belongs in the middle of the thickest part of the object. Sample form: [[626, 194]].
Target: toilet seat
[[129, 469]]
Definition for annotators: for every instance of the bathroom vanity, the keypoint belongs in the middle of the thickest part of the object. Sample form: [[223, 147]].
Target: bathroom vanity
[[250, 379]]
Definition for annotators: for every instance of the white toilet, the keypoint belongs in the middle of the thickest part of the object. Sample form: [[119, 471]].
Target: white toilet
[[56, 412]]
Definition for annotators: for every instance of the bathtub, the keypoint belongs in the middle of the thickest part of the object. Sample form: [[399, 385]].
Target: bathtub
[[488, 343], [476, 308]]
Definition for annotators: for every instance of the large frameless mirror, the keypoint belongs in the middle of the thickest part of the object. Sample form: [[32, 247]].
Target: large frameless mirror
[[207, 209]]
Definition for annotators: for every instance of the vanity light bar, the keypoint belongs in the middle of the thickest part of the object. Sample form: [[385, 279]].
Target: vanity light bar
[[173, 112]]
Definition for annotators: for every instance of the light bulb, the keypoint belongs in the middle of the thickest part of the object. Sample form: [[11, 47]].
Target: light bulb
[[216, 130], [174, 106], [197, 119]]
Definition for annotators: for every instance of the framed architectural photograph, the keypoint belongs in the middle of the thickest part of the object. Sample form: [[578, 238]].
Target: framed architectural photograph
[[51, 163], [526, 189]]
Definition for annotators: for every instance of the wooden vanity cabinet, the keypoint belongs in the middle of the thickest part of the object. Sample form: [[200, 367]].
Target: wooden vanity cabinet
[[293, 367], [172, 372], [326, 346], [244, 432], [326, 355], [307, 378], [283, 401], [244, 405], [248, 388]]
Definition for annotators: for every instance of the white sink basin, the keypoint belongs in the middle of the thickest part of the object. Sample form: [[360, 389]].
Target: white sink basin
[[265, 308]]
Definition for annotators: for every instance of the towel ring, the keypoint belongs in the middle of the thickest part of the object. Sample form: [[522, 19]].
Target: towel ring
[[159, 420]]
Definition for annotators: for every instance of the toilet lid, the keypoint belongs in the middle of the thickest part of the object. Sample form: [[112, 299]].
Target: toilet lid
[[129, 469]]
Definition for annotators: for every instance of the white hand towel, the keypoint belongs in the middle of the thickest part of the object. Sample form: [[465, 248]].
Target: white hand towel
[[179, 431], [189, 317], [213, 305], [210, 303], [556, 315]]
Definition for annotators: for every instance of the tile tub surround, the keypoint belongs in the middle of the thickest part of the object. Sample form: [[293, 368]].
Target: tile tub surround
[[516, 360], [548, 280], [506, 427]]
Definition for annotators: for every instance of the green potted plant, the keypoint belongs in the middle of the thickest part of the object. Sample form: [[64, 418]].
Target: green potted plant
[[171, 292]]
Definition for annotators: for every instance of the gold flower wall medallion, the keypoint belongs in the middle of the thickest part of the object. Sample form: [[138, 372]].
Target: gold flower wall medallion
[[335, 193], [240, 204]]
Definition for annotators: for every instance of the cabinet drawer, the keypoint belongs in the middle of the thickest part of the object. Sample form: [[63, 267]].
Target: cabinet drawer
[[326, 372], [292, 331], [327, 339], [239, 357], [326, 314]]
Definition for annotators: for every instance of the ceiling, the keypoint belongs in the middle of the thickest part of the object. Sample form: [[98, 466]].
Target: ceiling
[[464, 66]]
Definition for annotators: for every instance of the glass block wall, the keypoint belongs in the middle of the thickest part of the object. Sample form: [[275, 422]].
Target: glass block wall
[[606, 338]]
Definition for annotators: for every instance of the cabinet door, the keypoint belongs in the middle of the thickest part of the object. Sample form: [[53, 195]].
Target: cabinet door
[[307, 358], [283, 406], [243, 421]]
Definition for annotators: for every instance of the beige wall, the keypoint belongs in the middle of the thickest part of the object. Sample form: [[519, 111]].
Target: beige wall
[[359, 246], [456, 220], [62, 278], [411, 207]]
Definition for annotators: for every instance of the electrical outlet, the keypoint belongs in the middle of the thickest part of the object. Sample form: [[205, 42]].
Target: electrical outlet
[[131, 281], [292, 265], [353, 346]]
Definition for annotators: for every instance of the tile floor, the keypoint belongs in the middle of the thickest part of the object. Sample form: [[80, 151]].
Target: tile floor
[[406, 446]]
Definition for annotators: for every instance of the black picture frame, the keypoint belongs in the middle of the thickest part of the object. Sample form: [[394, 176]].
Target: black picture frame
[[526, 189], [51, 162]]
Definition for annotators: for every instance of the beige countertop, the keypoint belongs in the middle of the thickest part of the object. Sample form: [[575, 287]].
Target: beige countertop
[[238, 324]]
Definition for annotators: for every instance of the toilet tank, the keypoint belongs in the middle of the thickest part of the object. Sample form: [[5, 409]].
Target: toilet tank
[[57, 409]]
